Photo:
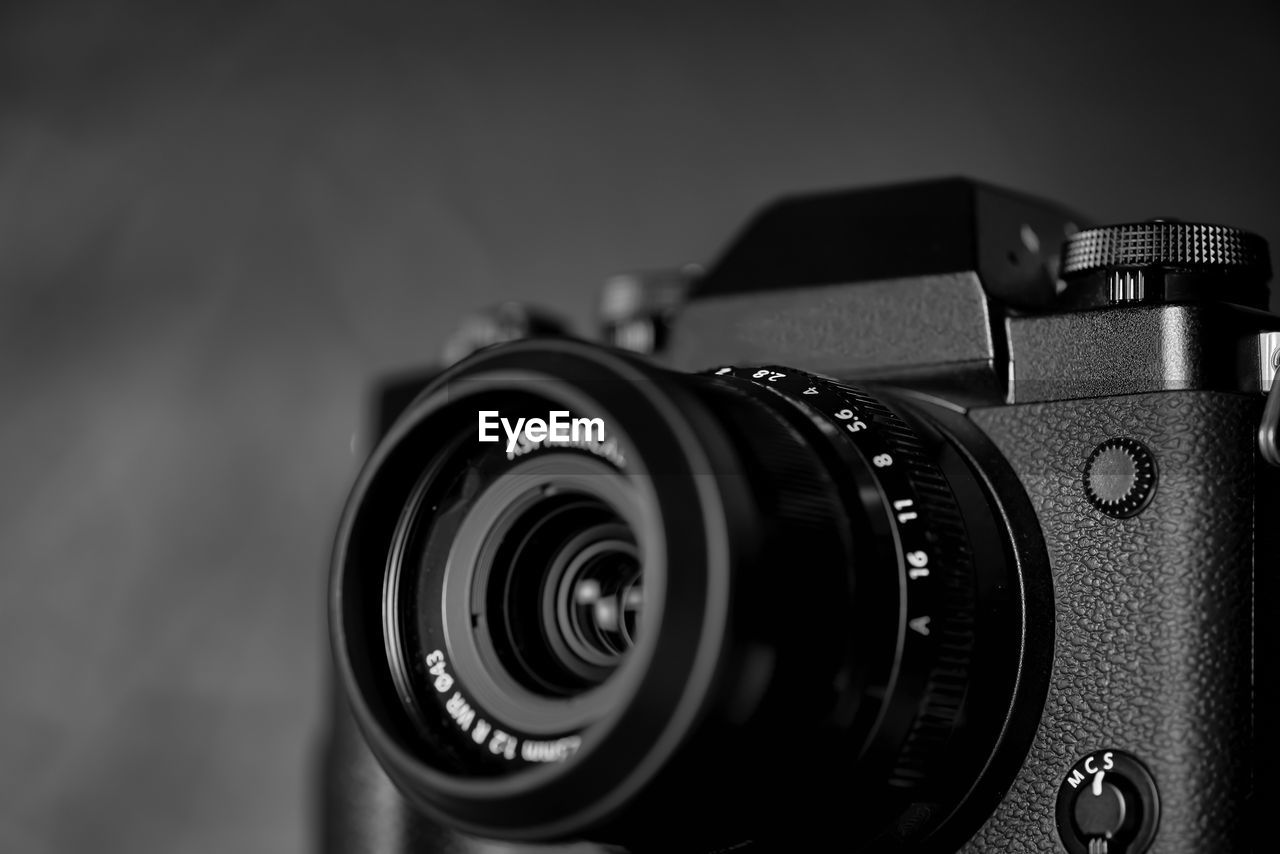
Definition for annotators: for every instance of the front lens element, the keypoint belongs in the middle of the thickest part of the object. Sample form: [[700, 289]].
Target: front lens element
[[598, 599], [554, 584]]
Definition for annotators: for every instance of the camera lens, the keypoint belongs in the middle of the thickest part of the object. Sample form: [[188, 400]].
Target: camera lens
[[553, 577], [513, 590], [746, 601]]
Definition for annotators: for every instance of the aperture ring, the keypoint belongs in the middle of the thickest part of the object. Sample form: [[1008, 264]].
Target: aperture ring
[[948, 676]]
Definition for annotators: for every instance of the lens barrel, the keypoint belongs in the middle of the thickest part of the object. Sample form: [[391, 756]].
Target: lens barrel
[[755, 600]]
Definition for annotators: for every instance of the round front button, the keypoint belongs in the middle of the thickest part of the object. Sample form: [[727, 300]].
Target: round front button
[[1120, 477]]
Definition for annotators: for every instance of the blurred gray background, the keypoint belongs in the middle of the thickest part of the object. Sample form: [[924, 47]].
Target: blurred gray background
[[218, 220]]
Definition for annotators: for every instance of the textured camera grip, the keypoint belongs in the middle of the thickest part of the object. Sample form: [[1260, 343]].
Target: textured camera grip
[[1153, 613]]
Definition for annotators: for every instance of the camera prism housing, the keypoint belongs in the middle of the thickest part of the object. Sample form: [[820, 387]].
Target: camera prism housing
[[911, 533]]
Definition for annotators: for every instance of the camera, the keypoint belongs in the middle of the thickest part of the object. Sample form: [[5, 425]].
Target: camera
[[928, 518]]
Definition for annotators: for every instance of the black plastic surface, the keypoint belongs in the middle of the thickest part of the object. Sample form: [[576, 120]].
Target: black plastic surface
[[1135, 349], [932, 325], [1153, 613], [926, 228]]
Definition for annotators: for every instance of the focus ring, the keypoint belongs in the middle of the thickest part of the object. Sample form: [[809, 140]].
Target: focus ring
[[799, 548], [799, 492]]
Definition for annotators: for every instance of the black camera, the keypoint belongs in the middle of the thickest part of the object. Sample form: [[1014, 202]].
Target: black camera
[[930, 519]]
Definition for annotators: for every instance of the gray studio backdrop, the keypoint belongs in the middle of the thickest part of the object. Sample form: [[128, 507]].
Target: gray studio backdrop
[[219, 220]]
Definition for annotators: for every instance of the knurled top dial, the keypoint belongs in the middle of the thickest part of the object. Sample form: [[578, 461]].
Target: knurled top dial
[[1167, 260]]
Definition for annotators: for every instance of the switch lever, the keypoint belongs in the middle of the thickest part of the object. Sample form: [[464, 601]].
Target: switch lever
[[1269, 430]]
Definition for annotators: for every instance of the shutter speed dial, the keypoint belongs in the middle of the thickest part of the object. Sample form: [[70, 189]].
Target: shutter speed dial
[[1161, 261]]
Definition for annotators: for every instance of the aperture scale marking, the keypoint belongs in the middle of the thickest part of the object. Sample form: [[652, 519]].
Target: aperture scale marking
[[845, 413]]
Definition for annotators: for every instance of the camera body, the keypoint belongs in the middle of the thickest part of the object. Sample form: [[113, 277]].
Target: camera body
[[1108, 410]]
